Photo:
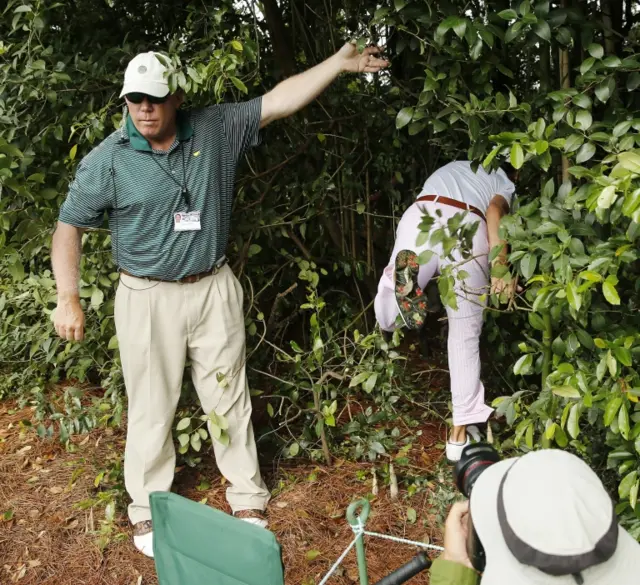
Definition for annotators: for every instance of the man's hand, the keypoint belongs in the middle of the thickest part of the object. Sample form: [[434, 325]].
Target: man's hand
[[503, 285], [456, 533], [293, 94], [69, 319], [365, 62]]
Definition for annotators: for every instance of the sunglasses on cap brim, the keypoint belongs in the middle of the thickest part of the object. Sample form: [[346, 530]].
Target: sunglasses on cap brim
[[138, 98]]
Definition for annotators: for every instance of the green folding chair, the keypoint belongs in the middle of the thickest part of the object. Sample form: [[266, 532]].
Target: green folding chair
[[194, 544]]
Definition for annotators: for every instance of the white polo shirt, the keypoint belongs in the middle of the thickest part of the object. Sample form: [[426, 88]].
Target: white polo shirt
[[457, 180]]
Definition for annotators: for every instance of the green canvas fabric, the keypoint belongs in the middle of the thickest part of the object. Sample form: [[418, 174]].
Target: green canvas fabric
[[194, 544]]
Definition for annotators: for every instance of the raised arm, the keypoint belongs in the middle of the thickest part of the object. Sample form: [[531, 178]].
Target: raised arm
[[65, 259], [498, 208], [295, 93]]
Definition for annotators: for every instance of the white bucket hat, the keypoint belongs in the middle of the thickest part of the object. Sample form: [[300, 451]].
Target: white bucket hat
[[145, 74], [546, 519]]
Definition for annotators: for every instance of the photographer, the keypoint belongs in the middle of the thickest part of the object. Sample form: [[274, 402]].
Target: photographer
[[541, 519]]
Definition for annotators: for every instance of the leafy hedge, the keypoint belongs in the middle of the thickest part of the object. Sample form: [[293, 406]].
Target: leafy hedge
[[550, 86]]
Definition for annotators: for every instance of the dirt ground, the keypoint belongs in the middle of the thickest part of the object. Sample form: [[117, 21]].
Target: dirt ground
[[46, 539]]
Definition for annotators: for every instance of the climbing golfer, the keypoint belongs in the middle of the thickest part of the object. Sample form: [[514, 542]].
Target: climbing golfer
[[483, 198], [166, 182]]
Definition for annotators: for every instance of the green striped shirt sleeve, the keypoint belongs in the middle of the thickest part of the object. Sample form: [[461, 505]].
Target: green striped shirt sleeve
[[90, 194], [241, 123]]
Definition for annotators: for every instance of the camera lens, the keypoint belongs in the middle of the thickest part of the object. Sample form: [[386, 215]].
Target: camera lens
[[475, 459]]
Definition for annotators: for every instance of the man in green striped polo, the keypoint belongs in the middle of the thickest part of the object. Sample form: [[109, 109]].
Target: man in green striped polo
[[165, 180]]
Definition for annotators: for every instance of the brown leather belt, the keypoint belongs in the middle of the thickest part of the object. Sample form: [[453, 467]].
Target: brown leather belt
[[452, 203], [192, 278]]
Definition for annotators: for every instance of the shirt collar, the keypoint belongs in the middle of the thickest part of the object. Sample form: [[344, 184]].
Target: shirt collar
[[139, 142]]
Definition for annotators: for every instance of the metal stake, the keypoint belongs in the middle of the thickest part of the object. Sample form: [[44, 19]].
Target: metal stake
[[356, 521]]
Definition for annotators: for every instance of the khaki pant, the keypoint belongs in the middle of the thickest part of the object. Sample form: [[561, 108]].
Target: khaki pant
[[159, 325]]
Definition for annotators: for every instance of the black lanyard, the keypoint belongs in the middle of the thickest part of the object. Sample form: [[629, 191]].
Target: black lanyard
[[184, 190]]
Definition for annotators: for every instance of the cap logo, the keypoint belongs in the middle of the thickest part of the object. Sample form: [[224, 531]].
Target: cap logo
[[142, 69]]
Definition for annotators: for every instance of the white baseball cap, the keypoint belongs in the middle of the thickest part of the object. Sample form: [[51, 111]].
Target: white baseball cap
[[145, 74], [546, 519]]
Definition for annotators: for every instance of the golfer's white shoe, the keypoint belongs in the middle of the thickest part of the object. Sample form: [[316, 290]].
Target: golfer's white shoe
[[143, 537], [454, 450]]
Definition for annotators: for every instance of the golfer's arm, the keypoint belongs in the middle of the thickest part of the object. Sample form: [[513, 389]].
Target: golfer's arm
[[295, 93], [498, 208], [65, 259]]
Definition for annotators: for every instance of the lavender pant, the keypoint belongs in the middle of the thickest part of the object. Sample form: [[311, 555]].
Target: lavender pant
[[465, 323]]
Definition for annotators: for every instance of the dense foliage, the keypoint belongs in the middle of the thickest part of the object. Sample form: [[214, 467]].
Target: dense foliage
[[550, 86]]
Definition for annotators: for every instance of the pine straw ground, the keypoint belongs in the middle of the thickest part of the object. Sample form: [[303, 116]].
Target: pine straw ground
[[47, 540]]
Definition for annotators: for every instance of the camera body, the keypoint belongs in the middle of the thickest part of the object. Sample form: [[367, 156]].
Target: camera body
[[474, 461]]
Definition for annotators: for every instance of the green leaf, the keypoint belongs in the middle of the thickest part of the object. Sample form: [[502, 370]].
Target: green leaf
[[623, 421], [551, 431], [294, 450], [404, 116], [312, 555], [633, 81], [610, 293], [254, 249], [603, 91], [239, 84], [523, 365], [528, 265], [621, 129], [573, 296], [612, 364], [596, 51], [183, 439], [196, 442], [584, 119], [16, 270], [633, 494], [73, 152], [425, 256], [270, 410], [587, 64], [573, 423], [513, 31], [558, 347], [113, 343], [607, 197], [224, 439], [591, 276], [237, 46], [624, 489], [476, 50], [370, 384], [183, 424], [582, 100], [97, 298], [543, 30], [508, 14], [586, 152], [412, 515], [216, 431], [623, 355], [460, 27], [611, 410], [566, 391], [612, 61], [630, 161], [517, 156], [361, 377]]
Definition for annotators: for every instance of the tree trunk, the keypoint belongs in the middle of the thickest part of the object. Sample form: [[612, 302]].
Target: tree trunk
[[565, 83], [279, 38]]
